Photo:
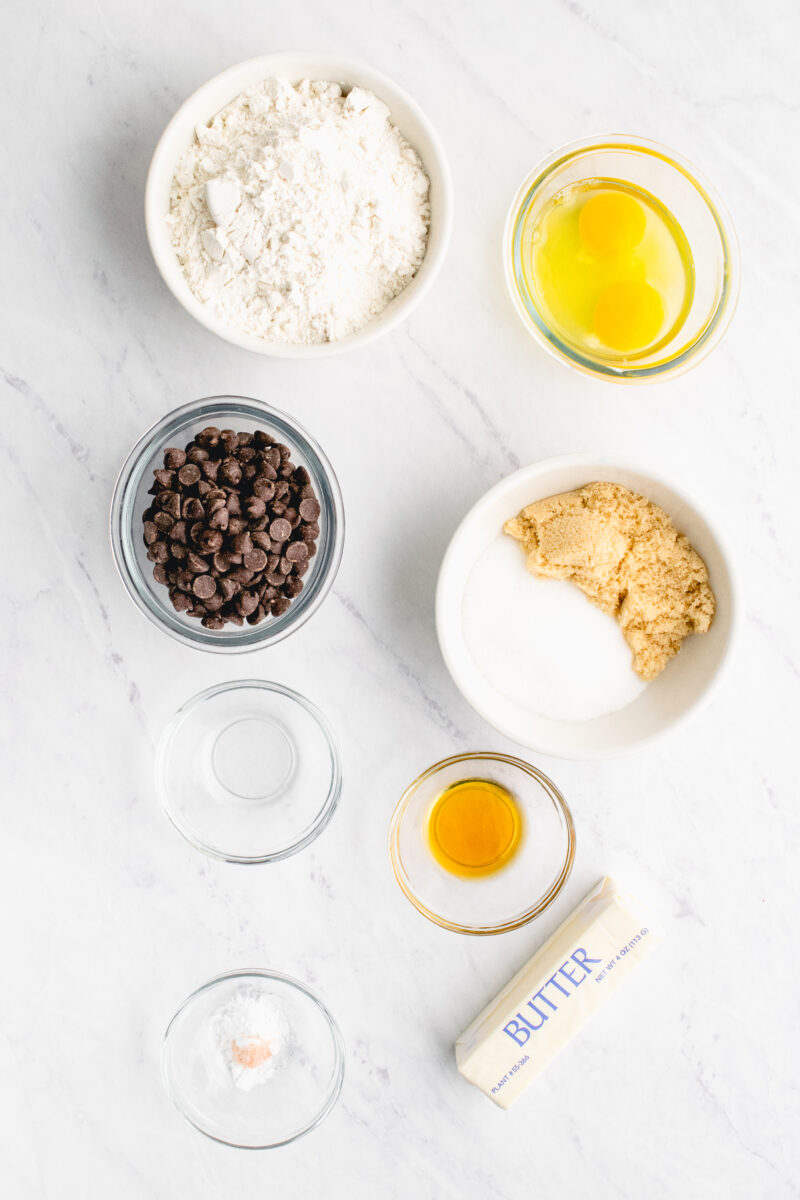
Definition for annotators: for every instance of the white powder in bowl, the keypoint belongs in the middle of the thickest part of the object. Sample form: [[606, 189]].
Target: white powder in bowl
[[298, 213], [252, 1034], [540, 643]]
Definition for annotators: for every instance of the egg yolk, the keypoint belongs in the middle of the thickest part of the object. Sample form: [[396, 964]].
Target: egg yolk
[[628, 315], [611, 223]]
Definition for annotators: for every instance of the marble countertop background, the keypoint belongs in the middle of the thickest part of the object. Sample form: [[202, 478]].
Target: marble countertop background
[[687, 1085]]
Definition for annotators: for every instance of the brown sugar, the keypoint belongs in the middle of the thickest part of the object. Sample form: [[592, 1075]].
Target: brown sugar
[[625, 554]]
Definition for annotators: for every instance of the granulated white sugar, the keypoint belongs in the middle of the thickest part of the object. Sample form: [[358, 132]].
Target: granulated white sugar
[[541, 644]]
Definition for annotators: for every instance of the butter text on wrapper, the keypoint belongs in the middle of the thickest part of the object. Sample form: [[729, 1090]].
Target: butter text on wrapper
[[554, 994]]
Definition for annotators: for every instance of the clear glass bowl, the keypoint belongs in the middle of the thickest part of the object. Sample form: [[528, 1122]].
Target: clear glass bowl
[[131, 499], [510, 897], [304, 1088], [248, 772], [695, 206]]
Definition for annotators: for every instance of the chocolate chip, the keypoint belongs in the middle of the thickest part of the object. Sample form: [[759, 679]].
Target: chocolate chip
[[208, 436], [309, 509], [280, 530], [180, 601], [220, 519], [279, 606], [293, 586], [255, 507], [255, 560], [174, 457], [172, 505], [212, 622], [209, 541], [204, 586], [158, 552], [150, 532], [189, 474], [163, 521], [193, 509], [227, 588], [241, 575], [246, 603], [230, 471], [263, 488], [296, 551], [195, 563], [166, 479], [160, 573]]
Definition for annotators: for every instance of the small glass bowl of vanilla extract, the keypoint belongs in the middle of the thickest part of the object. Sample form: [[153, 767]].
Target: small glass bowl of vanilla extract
[[482, 843]]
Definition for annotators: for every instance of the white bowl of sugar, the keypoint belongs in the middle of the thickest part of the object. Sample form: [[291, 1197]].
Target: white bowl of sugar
[[542, 664], [404, 114]]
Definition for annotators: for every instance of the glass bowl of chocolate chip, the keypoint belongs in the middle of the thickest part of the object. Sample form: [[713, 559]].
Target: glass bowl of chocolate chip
[[227, 524]]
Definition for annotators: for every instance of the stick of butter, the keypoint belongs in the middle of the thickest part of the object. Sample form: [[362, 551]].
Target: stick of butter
[[555, 993]]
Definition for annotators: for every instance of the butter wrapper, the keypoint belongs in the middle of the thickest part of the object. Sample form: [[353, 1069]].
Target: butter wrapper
[[548, 1001]]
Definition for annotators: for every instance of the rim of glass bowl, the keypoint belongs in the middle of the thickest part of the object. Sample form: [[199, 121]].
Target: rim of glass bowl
[[125, 524], [336, 1036], [530, 914], [714, 329], [327, 809]]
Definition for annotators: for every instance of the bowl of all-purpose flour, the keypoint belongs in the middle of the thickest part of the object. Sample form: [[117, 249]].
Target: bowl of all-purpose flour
[[299, 205], [540, 662]]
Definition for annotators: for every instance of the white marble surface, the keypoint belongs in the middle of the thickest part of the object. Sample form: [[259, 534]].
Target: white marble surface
[[687, 1085]]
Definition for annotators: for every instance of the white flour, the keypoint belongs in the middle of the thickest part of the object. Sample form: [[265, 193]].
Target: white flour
[[251, 1032], [299, 213]]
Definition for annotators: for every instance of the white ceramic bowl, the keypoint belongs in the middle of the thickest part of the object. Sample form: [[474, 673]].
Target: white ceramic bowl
[[220, 91], [680, 689]]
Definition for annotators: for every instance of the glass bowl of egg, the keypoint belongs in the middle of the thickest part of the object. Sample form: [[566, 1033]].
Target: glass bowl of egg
[[481, 843], [621, 259]]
